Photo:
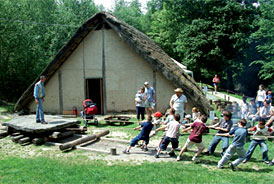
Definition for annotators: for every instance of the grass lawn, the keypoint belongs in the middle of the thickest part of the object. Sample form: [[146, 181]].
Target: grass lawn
[[42, 164], [57, 167]]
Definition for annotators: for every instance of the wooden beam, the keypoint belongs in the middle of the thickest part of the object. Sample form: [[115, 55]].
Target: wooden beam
[[60, 92], [16, 138], [24, 140], [82, 140]]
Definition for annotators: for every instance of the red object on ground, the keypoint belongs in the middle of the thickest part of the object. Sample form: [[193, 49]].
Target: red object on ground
[[74, 110]]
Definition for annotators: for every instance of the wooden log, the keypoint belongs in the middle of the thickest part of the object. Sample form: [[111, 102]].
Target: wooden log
[[80, 129], [82, 140], [16, 138], [4, 134], [5, 128], [119, 121], [24, 140], [15, 134], [58, 135], [39, 140]]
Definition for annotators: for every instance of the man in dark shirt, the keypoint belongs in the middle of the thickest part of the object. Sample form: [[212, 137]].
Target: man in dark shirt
[[223, 126], [144, 134]]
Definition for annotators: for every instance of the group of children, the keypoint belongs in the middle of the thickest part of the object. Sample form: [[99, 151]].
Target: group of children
[[172, 125]]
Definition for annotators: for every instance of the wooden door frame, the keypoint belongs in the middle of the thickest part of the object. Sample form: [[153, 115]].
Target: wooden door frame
[[101, 91]]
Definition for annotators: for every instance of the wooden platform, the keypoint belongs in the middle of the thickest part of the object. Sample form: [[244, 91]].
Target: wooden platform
[[29, 125]]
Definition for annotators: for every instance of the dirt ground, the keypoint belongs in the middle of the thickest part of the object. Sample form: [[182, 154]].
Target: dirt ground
[[116, 139]]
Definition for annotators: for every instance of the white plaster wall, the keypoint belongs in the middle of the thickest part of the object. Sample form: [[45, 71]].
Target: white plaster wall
[[51, 104], [164, 92], [93, 54], [126, 71], [73, 80]]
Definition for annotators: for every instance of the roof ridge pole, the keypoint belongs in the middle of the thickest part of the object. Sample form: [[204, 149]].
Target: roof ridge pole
[[104, 68]]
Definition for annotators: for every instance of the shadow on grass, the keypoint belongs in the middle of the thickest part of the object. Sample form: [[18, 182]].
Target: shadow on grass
[[264, 170], [101, 125]]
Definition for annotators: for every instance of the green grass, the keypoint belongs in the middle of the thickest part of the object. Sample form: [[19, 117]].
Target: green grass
[[6, 108], [82, 170], [78, 168]]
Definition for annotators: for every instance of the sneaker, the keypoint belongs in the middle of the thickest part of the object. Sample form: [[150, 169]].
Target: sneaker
[[232, 167], [178, 158], [266, 162], [38, 121], [156, 156], [195, 160], [206, 153], [145, 149], [44, 122], [126, 151], [271, 164], [220, 167], [171, 154], [244, 161]]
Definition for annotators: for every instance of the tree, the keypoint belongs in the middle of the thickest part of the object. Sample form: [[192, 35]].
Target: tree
[[264, 38], [32, 32]]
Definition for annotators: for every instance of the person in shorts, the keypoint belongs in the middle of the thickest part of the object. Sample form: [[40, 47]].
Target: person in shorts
[[150, 100], [198, 129], [144, 135], [171, 136], [216, 81], [169, 118]]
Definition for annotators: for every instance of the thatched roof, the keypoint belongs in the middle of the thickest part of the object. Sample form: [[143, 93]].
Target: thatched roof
[[137, 41]]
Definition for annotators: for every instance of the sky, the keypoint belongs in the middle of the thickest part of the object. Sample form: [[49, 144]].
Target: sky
[[109, 4]]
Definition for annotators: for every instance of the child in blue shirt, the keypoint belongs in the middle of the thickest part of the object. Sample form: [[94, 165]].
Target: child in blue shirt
[[144, 135], [237, 145]]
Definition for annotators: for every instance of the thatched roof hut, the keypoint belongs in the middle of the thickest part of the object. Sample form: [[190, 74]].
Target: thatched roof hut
[[104, 55]]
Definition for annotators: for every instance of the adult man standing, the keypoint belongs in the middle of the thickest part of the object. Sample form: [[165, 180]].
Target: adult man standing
[[264, 112], [150, 101], [39, 95], [178, 102]]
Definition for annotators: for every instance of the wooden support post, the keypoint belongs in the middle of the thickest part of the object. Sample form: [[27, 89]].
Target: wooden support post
[[39, 140], [15, 134], [80, 129], [24, 140], [16, 138], [4, 134], [58, 135], [82, 140], [5, 128]]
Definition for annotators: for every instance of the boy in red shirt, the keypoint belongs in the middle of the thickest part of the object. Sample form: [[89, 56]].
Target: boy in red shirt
[[198, 129]]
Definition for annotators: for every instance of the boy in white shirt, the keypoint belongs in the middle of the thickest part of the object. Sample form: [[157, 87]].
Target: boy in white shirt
[[171, 136]]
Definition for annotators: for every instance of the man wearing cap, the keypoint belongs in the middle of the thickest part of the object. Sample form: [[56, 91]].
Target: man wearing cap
[[178, 102], [39, 95], [150, 101]]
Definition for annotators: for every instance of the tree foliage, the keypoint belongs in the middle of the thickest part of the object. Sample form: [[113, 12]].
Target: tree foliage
[[229, 37], [31, 33]]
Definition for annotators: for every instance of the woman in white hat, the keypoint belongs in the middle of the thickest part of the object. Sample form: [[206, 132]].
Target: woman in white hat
[[178, 102]]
